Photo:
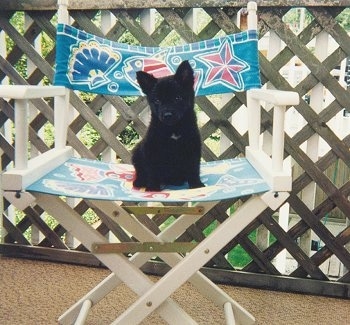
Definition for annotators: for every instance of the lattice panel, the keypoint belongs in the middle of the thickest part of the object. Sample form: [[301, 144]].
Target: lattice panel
[[223, 133]]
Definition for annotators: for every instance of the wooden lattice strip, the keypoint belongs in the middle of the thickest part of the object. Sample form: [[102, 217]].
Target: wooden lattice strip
[[14, 234], [311, 268], [330, 62], [217, 212], [9, 151], [321, 231], [223, 18], [43, 20], [317, 175], [82, 20], [301, 227], [325, 17], [196, 232], [259, 258], [15, 54], [178, 24], [259, 262], [311, 117], [41, 24], [117, 127], [121, 123], [79, 121], [315, 66], [209, 31], [210, 127], [322, 164], [134, 28], [328, 112], [325, 253], [286, 54], [104, 132], [58, 230], [275, 248], [27, 48], [219, 120], [107, 225], [36, 220], [331, 156]]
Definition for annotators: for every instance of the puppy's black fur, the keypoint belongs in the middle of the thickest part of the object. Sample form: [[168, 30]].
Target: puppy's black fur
[[171, 150]]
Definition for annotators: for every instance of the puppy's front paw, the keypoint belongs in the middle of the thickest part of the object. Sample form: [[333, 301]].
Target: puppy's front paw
[[196, 185], [153, 188], [138, 183]]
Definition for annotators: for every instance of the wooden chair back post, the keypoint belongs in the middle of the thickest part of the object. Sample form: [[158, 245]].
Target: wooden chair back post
[[63, 16], [253, 105], [21, 136], [61, 104]]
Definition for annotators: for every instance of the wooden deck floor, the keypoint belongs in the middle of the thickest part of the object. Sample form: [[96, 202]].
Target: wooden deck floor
[[36, 293]]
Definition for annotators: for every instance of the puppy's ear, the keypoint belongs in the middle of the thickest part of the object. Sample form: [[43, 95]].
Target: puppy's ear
[[184, 74], [146, 81]]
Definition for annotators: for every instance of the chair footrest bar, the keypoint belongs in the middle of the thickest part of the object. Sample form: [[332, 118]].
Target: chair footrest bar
[[85, 308], [195, 210], [149, 247]]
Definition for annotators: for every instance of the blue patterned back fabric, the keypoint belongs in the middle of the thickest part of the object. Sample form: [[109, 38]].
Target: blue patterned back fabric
[[93, 64]]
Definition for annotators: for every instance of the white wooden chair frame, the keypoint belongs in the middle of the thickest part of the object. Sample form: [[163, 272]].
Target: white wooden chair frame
[[152, 297]]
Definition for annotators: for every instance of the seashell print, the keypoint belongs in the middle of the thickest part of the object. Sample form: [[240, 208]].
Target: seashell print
[[91, 63]]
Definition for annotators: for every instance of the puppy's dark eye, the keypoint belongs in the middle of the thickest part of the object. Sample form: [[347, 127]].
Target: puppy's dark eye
[[157, 101], [178, 98]]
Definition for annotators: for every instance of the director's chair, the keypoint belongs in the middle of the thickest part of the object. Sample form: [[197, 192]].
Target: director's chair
[[89, 63]]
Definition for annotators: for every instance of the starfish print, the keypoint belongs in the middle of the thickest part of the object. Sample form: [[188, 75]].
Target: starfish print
[[224, 67]]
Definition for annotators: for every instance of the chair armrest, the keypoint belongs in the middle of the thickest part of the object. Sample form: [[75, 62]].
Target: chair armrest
[[272, 169], [30, 92], [278, 180], [22, 95], [18, 179], [276, 97]]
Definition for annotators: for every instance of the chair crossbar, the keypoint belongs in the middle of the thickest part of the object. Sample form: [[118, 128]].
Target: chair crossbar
[[145, 247], [195, 210]]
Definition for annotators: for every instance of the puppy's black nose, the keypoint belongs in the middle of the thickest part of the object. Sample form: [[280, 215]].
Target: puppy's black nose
[[168, 116]]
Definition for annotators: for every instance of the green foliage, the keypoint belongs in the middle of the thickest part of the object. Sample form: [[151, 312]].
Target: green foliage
[[295, 15], [49, 137], [128, 137], [344, 19], [89, 136]]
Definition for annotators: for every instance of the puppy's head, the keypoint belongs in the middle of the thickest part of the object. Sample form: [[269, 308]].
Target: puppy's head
[[169, 97]]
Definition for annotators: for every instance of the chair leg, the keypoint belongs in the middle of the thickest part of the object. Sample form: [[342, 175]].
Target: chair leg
[[84, 311], [206, 287], [112, 281], [117, 263], [177, 276]]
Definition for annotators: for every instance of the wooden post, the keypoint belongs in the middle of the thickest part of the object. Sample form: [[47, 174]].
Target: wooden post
[[312, 145], [35, 233]]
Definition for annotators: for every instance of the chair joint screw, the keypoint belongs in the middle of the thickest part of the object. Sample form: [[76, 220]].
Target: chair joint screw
[[276, 195], [149, 303]]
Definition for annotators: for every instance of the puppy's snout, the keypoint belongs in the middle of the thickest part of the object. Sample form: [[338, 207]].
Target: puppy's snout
[[169, 117]]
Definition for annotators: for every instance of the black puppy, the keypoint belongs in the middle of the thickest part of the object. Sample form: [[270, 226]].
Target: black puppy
[[171, 150]]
